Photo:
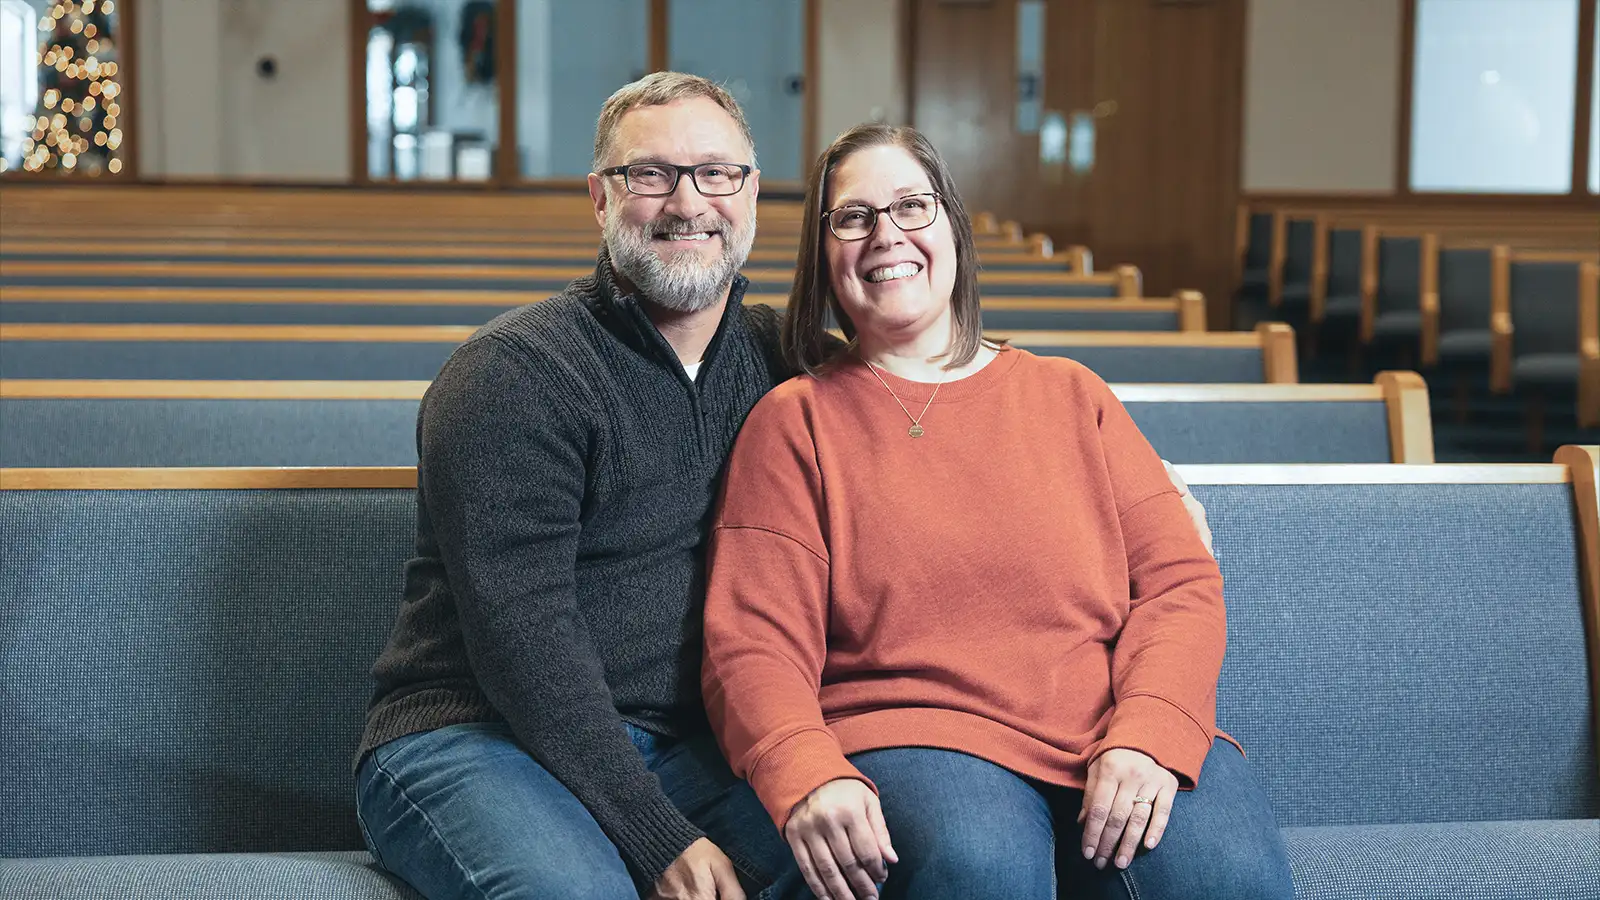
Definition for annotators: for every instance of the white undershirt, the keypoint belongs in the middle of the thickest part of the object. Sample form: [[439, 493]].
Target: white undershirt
[[692, 369]]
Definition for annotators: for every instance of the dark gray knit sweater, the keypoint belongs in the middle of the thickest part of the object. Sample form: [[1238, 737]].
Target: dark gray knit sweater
[[568, 468]]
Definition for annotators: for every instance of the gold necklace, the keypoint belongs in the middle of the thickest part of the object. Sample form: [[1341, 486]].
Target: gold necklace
[[916, 429]]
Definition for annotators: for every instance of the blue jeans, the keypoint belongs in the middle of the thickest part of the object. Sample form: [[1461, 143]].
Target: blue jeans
[[465, 812], [966, 828]]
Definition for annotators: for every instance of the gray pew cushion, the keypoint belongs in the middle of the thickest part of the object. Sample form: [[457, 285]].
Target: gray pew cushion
[[1465, 349], [1342, 306], [1031, 290], [1464, 289], [1266, 432], [1344, 262], [1546, 370], [1258, 245], [190, 432], [532, 288], [1080, 320], [1299, 247], [189, 671], [1165, 365], [1399, 274], [226, 313], [1548, 860], [1406, 653], [1296, 297], [1544, 307], [1398, 325], [225, 360], [287, 876]]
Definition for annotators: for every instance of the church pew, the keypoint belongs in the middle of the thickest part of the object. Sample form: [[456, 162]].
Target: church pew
[[535, 250], [1125, 281], [246, 606], [1183, 312], [410, 353], [54, 424], [1545, 331]]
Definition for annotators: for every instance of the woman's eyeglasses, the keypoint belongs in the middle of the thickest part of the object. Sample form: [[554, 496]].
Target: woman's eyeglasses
[[909, 213]]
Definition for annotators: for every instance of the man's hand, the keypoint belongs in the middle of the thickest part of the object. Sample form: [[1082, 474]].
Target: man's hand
[[840, 841], [1196, 511], [702, 872], [1112, 821]]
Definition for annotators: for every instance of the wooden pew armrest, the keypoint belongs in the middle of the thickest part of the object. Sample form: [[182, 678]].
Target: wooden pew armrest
[[1500, 330], [1430, 329]]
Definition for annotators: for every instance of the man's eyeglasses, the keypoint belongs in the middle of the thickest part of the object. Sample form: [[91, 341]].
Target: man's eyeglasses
[[661, 179], [909, 213]]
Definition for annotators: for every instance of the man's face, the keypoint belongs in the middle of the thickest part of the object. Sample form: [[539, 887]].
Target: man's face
[[683, 249]]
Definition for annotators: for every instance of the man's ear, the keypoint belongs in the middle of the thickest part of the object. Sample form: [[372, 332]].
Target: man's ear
[[597, 195], [755, 183]]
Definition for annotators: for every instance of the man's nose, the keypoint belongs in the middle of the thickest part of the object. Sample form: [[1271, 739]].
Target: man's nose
[[686, 201]]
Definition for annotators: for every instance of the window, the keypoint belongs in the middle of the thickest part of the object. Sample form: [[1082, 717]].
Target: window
[[1594, 116], [432, 91], [1494, 91], [571, 56], [757, 51]]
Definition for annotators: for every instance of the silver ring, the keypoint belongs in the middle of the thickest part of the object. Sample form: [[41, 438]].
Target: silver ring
[[1138, 800]]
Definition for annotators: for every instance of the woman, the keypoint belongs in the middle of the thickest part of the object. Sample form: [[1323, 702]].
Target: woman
[[957, 616]]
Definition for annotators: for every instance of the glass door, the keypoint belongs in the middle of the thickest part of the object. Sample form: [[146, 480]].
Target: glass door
[[757, 50], [432, 90]]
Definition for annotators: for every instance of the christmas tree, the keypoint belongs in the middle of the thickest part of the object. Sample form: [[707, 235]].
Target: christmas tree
[[76, 123]]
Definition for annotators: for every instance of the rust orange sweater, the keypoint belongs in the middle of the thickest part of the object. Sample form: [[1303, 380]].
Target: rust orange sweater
[[1021, 584]]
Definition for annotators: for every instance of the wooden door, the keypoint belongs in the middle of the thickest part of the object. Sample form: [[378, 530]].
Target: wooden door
[[1169, 103], [1154, 87]]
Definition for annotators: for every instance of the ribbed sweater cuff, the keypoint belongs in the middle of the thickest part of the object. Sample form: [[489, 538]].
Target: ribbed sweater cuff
[[1162, 731], [651, 839], [801, 763]]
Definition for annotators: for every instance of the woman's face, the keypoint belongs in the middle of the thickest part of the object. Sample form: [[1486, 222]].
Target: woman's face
[[893, 284]]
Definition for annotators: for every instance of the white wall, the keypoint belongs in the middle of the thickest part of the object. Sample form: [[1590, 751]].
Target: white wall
[[206, 113], [1321, 95], [862, 66], [203, 112]]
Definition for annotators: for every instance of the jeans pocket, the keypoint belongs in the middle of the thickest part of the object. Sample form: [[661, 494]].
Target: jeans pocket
[[364, 776]]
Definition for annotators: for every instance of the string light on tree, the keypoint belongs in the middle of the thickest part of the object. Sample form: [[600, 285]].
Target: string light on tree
[[76, 119]]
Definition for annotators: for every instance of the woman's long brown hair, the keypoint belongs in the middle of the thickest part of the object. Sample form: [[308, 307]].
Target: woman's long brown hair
[[805, 329]]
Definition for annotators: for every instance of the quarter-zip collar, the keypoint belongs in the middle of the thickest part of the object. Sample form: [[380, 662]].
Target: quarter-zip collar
[[623, 314]]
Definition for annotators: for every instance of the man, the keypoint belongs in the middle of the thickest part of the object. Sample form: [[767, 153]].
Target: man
[[537, 727]]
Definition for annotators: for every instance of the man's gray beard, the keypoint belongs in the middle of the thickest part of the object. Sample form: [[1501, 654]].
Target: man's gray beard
[[679, 282]]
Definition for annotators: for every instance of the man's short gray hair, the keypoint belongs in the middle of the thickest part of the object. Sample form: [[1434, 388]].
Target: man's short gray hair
[[660, 89]]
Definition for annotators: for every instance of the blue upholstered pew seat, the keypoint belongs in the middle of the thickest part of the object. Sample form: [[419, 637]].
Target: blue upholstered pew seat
[[187, 672], [68, 424], [344, 353]]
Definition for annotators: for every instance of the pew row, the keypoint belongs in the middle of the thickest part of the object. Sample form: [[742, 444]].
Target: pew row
[[243, 608], [116, 424], [535, 249], [1184, 311], [415, 353], [1124, 281]]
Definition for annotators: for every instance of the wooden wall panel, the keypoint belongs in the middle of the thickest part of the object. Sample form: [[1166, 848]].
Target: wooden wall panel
[[1166, 182], [1166, 84]]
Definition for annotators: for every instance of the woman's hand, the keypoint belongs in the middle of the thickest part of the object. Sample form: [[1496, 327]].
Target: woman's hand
[[840, 841], [1111, 821]]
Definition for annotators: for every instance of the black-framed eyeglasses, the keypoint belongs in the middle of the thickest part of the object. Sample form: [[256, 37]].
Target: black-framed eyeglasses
[[661, 179], [909, 213]]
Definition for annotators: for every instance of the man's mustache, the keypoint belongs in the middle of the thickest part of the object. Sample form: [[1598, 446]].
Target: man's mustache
[[672, 225]]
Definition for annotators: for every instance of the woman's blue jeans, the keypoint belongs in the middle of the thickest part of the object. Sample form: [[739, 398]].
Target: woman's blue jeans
[[965, 828]]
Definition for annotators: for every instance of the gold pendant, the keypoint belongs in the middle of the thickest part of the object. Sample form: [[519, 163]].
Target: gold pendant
[[915, 431]]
